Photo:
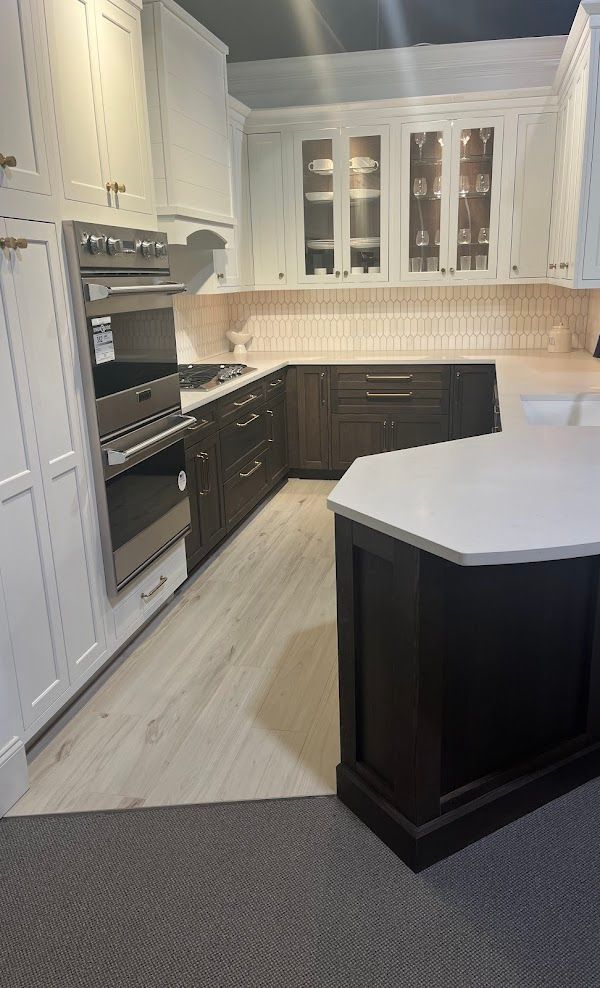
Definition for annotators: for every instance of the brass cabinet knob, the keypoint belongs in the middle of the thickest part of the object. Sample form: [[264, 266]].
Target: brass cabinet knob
[[13, 243], [515, 268], [451, 270], [552, 267], [563, 264], [443, 270], [7, 161], [281, 274], [115, 187]]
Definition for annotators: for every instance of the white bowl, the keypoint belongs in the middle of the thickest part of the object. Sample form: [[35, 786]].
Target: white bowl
[[239, 338]]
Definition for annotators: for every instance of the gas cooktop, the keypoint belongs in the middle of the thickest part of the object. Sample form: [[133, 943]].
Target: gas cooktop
[[204, 377]]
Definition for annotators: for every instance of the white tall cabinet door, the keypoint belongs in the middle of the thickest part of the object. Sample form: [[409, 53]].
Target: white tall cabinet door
[[475, 183], [49, 359], [78, 99], [26, 568], [425, 197], [21, 131], [532, 203], [320, 164], [123, 102], [365, 197], [266, 203]]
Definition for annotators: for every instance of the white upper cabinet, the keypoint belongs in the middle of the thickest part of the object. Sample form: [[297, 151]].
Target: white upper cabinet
[[319, 161], [266, 202], [425, 200], [97, 80], [23, 160], [186, 83], [47, 526], [365, 197], [534, 173]]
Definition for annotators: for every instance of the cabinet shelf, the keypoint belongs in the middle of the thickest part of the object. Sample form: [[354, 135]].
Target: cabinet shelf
[[467, 159]]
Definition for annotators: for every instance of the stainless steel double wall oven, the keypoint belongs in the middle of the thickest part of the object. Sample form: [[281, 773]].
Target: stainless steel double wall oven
[[123, 302]]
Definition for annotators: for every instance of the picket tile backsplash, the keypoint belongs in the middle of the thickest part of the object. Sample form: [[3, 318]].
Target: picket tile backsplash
[[477, 317]]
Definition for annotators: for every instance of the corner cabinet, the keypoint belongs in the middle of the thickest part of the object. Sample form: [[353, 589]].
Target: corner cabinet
[[100, 102], [450, 177], [312, 390], [472, 400], [342, 205]]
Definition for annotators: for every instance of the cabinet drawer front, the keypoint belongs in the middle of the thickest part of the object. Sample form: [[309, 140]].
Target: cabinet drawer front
[[275, 384], [206, 423], [398, 401], [154, 588], [236, 404], [245, 488], [390, 378], [242, 439]]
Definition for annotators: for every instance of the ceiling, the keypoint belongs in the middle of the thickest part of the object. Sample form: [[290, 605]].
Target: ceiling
[[259, 29]]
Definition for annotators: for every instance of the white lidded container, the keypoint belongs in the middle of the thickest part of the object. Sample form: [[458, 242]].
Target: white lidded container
[[559, 339]]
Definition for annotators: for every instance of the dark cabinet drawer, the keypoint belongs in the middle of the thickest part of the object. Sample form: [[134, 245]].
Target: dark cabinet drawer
[[397, 401], [275, 384], [390, 378], [240, 401], [242, 438], [245, 488], [206, 423]]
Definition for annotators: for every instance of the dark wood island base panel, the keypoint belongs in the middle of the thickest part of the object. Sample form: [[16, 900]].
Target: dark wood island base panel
[[469, 695]]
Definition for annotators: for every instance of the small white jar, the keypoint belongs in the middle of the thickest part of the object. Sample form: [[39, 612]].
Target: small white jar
[[559, 339]]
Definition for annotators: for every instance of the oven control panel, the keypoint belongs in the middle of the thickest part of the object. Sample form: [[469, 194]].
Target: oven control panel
[[108, 247]]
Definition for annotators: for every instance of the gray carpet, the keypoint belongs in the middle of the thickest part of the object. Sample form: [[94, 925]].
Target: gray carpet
[[291, 894]]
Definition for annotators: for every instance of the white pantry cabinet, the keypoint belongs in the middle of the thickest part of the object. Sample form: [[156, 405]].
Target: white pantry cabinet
[[99, 98], [23, 156], [265, 161], [534, 173], [50, 597]]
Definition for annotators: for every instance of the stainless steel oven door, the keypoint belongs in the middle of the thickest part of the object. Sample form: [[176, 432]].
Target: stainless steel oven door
[[132, 345], [146, 494]]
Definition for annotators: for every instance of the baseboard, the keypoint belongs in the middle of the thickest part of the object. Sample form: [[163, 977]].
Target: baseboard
[[14, 777], [302, 474]]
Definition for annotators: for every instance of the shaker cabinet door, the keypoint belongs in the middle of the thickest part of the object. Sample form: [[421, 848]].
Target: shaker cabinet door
[[266, 203], [532, 203], [313, 418], [123, 102], [22, 135], [78, 100]]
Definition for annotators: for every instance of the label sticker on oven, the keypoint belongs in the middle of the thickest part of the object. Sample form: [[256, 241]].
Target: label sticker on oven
[[103, 339], [182, 480]]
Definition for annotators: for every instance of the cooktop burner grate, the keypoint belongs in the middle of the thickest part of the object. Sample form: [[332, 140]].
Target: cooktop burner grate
[[201, 377]]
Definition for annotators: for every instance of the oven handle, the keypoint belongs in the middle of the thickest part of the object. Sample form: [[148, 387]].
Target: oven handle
[[116, 457], [97, 293]]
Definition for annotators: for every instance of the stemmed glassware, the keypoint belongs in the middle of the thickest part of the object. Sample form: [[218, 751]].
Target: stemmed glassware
[[422, 238], [465, 138], [485, 133], [420, 187], [420, 138], [437, 186]]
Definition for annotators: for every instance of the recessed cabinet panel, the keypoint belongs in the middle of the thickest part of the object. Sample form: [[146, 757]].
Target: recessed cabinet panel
[[354, 435], [318, 162], [366, 193], [536, 137], [22, 135], [266, 198], [123, 97], [78, 100]]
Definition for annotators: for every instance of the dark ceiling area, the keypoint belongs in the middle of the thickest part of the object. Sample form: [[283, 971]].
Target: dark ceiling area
[[258, 29]]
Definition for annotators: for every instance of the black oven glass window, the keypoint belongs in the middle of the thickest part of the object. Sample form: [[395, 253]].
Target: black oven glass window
[[132, 348], [143, 493]]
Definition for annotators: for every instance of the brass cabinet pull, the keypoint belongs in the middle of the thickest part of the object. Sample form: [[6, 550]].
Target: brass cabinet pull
[[238, 404], [115, 187], [552, 267], [198, 425], [242, 425], [270, 412], [8, 161], [323, 398], [13, 243], [563, 264], [390, 394], [257, 466], [161, 583], [389, 377]]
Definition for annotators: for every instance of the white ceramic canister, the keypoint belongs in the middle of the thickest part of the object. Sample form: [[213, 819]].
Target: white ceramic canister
[[559, 339]]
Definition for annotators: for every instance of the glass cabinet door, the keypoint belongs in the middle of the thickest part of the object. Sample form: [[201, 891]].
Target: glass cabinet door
[[477, 155], [365, 194], [318, 186], [424, 214]]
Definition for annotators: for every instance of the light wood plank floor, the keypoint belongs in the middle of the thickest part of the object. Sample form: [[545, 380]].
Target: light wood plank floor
[[232, 691]]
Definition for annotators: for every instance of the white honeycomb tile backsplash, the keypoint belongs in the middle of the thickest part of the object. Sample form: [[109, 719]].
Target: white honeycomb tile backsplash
[[474, 317]]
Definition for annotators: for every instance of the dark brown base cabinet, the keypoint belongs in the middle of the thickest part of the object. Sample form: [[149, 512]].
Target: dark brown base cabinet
[[472, 400], [205, 487], [312, 396], [469, 695], [277, 451]]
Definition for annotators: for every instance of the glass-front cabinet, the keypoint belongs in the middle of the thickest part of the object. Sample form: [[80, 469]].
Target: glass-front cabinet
[[342, 191], [450, 202]]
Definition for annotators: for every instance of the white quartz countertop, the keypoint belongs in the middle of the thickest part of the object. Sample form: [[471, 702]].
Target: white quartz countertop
[[527, 494]]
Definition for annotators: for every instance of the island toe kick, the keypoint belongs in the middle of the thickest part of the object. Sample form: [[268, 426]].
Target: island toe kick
[[469, 695]]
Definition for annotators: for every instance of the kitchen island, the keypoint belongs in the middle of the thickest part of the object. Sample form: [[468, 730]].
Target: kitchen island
[[469, 624]]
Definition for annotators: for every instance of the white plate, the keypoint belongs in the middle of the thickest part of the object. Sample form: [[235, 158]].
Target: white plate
[[358, 195], [321, 171], [365, 242], [361, 171], [319, 196], [320, 244]]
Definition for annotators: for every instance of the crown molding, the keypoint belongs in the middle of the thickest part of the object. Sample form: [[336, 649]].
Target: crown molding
[[398, 73]]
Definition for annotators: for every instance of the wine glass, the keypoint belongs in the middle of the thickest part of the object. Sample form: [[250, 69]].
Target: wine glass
[[465, 138], [464, 235], [482, 183], [464, 185], [485, 133], [484, 235], [420, 139], [437, 186], [420, 187], [422, 238], [441, 140], [437, 238]]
